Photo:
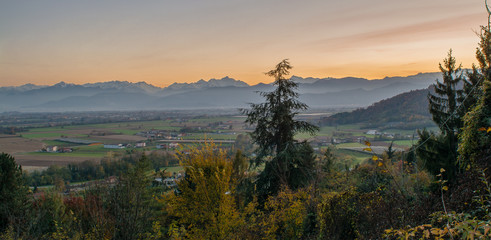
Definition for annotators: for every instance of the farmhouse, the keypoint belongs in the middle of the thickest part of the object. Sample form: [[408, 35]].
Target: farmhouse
[[52, 149], [173, 145], [140, 145], [372, 132]]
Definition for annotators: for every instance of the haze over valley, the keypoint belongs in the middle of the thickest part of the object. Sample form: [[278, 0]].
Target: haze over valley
[[224, 93]]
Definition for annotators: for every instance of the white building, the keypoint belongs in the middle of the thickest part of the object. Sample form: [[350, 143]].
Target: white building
[[112, 146]]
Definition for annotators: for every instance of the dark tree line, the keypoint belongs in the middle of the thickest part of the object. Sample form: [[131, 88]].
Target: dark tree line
[[90, 170]]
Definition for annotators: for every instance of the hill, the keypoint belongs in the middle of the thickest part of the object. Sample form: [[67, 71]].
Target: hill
[[406, 109]]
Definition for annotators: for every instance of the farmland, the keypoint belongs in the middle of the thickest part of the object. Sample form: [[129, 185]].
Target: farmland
[[33, 148]]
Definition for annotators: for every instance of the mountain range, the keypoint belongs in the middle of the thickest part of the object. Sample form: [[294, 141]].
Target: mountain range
[[215, 93]]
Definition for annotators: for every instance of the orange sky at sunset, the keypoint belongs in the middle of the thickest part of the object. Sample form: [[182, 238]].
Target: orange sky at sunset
[[161, 42]]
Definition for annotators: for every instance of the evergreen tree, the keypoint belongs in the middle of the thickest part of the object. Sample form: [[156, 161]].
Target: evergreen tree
[[274, 134], [444, 103], [475, 146], [436, 153], [440, 151]]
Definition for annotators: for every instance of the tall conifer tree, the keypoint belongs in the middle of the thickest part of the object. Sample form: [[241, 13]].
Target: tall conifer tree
[[286, 162], [440, 151], [444, 103]]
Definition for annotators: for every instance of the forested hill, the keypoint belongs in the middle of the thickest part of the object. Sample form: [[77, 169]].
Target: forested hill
[[409, 107]]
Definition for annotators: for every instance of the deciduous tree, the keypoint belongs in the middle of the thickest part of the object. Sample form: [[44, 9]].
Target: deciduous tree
[[203, 207]]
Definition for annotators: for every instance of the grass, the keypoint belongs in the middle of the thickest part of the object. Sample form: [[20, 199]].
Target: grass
[[126, 131], [210, 136], [82, 151], [212, 119], [404, 143], [57, 143], [348, 127], [345, 145], [140, 126], [72, 154], [47, 129], [41, 135], [358, 156]]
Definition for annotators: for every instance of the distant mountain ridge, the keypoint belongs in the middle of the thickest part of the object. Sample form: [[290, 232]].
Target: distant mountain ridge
[[224, 82], [214, 93]]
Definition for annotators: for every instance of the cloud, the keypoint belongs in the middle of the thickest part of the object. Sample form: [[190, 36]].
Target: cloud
[[429, 30]]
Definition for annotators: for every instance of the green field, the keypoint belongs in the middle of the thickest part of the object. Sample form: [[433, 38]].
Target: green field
[[57, 143], [48, 134], [345, 145], [213, 136], [42, 135], [358, 156], [83, 151], [47, 129], [404, 143]]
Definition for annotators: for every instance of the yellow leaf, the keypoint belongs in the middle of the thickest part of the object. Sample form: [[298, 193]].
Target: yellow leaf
[[374, 158], [445, 188], [426, 234], [481, 129], [442, 170], [489, 130], [380, 164], [367, 143], [367, 149]]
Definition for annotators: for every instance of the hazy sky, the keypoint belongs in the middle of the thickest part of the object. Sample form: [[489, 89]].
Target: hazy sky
[[166, 41]]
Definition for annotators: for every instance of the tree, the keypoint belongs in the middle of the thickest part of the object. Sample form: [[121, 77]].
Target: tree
[[13, 194], [444, 103], [475, 140], [130, 202], [436, 153], [274, 134], [203, 208], [440, 151]]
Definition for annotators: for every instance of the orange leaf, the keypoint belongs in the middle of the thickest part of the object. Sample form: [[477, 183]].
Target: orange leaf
[[481, 129], [367, 143], [380, 164], [442, 170], [367, 149]]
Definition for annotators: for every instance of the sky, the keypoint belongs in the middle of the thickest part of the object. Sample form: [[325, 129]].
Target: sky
[[166, 41]]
